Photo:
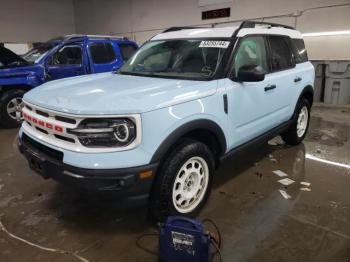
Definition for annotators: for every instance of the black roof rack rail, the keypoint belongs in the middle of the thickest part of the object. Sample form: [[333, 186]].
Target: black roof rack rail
[[251, 24], [178, 28]]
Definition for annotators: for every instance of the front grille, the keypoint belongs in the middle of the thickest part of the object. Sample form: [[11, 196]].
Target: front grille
[[52, 153], [39, 112], [42, 130], [66, 119], [68, 139]]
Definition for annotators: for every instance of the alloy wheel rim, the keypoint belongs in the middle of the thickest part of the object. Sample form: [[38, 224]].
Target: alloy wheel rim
[[302, 121], [13, 106], [190, 185]]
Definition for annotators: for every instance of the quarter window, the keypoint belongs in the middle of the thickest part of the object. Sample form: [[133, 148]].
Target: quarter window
[[299, 51], [251, 51], [102, 53], [281, 55], [127, 50]]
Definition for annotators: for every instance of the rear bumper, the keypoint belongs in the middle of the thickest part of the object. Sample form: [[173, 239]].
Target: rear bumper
[[124, 182]]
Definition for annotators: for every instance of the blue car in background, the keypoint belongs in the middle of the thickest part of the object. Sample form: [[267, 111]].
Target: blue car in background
[[67, 56]]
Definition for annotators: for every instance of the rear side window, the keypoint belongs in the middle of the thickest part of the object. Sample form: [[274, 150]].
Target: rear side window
[[127, 50], [281, 55], [299, 51], [102, 53]]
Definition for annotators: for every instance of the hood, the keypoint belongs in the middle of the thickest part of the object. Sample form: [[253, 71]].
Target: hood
[[110, 93], [9, 58]]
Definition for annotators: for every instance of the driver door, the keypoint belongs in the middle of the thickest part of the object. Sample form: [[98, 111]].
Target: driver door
[[66, 62], [252, 105]]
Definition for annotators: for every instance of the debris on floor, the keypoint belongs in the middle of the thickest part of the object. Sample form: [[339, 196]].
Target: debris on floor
[[286, 181], [277, 141], [258, 174], [279, 173], [272, 158], [305, 189], [285, 194], [305, 183]]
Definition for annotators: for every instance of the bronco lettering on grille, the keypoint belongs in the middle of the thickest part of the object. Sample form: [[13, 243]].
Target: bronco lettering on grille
[[42, 123]]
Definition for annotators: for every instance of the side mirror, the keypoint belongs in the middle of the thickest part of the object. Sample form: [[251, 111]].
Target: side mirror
[[250, 73]]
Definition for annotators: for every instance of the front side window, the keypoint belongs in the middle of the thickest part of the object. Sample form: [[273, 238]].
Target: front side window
[[185, 59], [102, 53], [281, 55], [67, 55], [251, 51]]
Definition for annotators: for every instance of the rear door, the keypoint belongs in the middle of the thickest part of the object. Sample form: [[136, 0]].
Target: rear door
[[103, 56], [284, 76], [67, 61]]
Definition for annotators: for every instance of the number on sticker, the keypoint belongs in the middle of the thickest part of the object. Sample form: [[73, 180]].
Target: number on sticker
[[214, 44]]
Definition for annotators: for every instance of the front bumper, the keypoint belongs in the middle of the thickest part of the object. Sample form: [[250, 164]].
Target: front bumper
[[126, 182]]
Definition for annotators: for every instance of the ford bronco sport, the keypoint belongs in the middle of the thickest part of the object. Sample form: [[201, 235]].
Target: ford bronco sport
[[160, 126], [62, 57]]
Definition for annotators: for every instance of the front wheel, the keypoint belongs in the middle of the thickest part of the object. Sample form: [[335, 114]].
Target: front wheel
[[10, 106], [184, 182], [297, 131]]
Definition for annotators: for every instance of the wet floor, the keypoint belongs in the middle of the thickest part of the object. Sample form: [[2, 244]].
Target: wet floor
[[257, 223]]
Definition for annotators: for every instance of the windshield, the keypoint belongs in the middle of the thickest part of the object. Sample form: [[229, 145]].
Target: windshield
[[33, 55], [185, 59]]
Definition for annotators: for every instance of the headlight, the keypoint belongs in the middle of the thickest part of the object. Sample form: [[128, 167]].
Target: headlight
[[101, 132]]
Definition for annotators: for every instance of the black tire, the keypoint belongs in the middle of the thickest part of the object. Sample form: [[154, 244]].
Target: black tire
[[5, 118], [291, 136], [161, 203]]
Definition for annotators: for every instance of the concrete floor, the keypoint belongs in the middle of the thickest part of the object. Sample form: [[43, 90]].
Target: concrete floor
[[257, 223]]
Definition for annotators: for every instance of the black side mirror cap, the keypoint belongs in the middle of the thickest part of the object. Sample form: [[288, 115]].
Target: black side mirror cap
[[250, 73]]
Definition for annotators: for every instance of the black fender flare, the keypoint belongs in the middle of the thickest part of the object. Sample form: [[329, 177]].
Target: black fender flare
[[201, 124], [308, 91]]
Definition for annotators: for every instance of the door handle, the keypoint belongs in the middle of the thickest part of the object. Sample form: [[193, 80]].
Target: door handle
[[269, 87], [297, 79]]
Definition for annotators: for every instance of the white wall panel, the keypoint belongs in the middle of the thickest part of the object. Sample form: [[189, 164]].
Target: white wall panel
[[26, 21]]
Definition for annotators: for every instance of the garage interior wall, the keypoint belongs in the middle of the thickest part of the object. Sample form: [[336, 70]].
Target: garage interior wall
[[141, 19], [35, 20], [39, 20]]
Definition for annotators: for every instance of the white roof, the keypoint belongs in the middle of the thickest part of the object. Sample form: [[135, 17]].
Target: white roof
[[226, 32], [198, 33], [270, 31]]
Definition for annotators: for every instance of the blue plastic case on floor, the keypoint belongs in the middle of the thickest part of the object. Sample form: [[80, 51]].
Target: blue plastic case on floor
[[182, 239]]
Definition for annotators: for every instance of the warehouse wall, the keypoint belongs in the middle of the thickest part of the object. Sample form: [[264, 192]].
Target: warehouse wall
[[35, 20], [141, 19]]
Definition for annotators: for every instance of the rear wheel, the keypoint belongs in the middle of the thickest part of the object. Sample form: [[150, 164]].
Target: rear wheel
[[297, 131], [10, 106], [184, 182]]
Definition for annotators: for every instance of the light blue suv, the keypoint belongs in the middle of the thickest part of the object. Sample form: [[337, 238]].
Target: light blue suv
[[161, 125]]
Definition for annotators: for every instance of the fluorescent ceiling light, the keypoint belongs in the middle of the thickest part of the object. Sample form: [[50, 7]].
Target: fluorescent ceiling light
[[328, 33], [312, 157]]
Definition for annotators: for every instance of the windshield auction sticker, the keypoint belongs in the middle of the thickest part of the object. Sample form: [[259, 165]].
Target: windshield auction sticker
[[214, 44]]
